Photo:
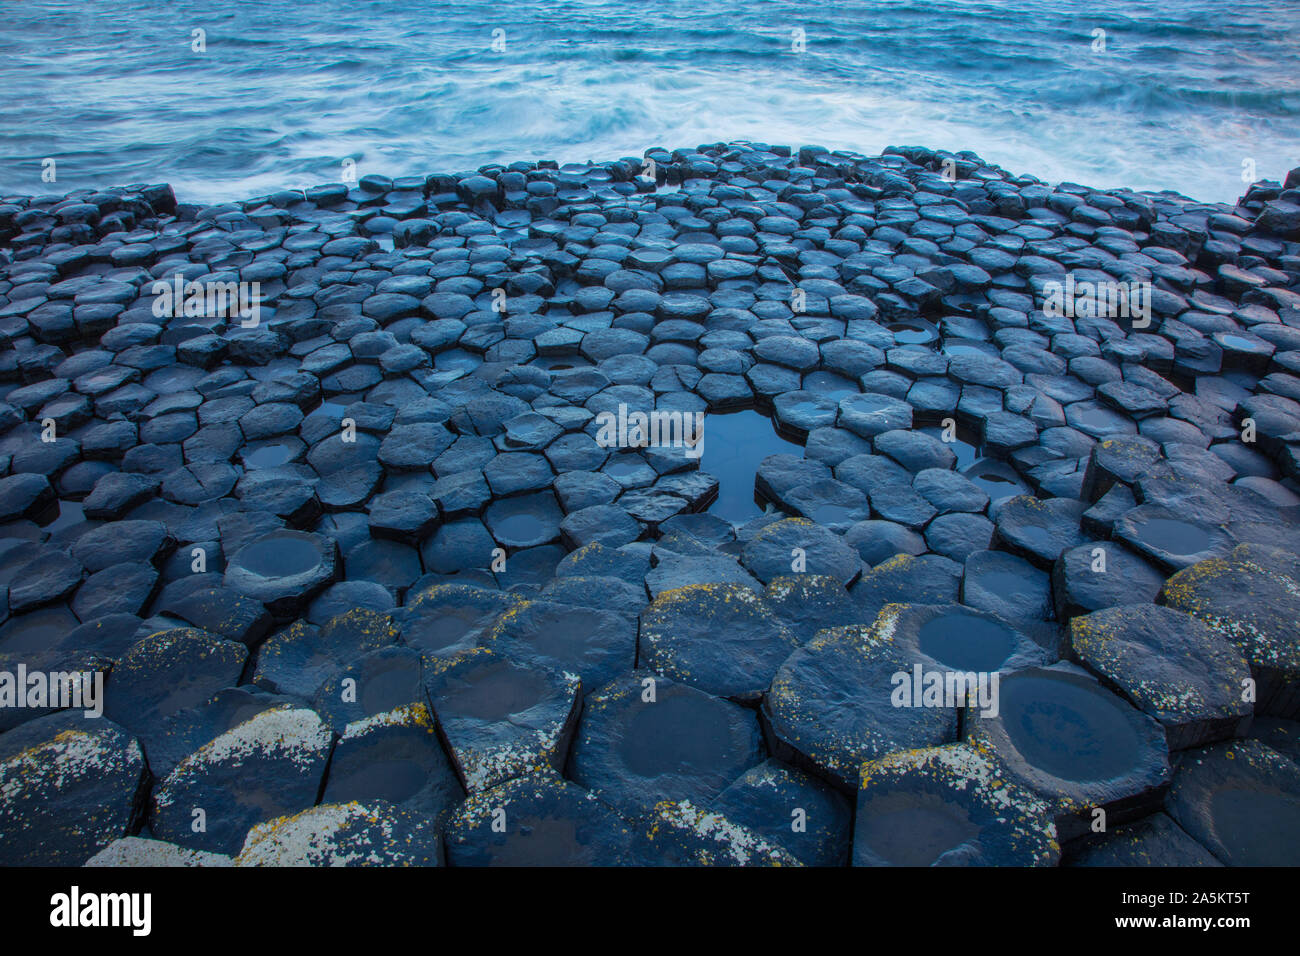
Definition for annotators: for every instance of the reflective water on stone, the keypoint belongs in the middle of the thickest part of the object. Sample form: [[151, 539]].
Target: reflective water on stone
[[1174, 536], [997, 479], [735, 444], [279, 556], [965, 642], [1068, 731]]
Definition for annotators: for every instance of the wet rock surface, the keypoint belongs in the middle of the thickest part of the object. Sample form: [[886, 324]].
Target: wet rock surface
[[404, 546]]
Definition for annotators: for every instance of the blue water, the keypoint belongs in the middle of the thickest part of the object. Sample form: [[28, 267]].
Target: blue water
[[1185, 91]]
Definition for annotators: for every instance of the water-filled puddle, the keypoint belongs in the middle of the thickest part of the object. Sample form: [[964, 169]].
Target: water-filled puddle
[[831, 515], [269, 455], [999, 481], [1173, 536], [678, 734], [1070, 731], [279, 556], [913, 829], [520, 526], [913, 332], [966, 642], [1239, 342], [624, 466], [492, 692], [963, 443], [1259, 828], [735, 444]]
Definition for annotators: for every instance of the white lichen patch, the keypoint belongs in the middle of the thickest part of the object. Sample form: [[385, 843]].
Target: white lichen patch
[[725, 841], [72, 757], [340, 834], [296, 735], [137, 851]]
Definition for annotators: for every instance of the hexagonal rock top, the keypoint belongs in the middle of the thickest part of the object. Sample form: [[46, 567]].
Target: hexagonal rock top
[[1075, 744], [500, 719], [1255, 608], [69, 786], [1241, 800], [347, 834], [720, 637], [831, 706], [266, 767], [797, 546], [947, 806], [284, 569], [646, 738], [1170, 665], [537, 820]]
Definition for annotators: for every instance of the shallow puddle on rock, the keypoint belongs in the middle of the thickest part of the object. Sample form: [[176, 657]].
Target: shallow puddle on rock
[[963, 444], [279, 556], [678, 734], [1173, 536], [492, 692], [268, 456], [521, 526], [917, 332], [913, 829], [965, 642], [735, 444], [1238, 342], [1068, 731], [829, 384], [997, 480], [833, 514]]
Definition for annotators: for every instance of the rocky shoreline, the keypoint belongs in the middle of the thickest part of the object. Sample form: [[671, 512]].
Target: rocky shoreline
[[379, 514]]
